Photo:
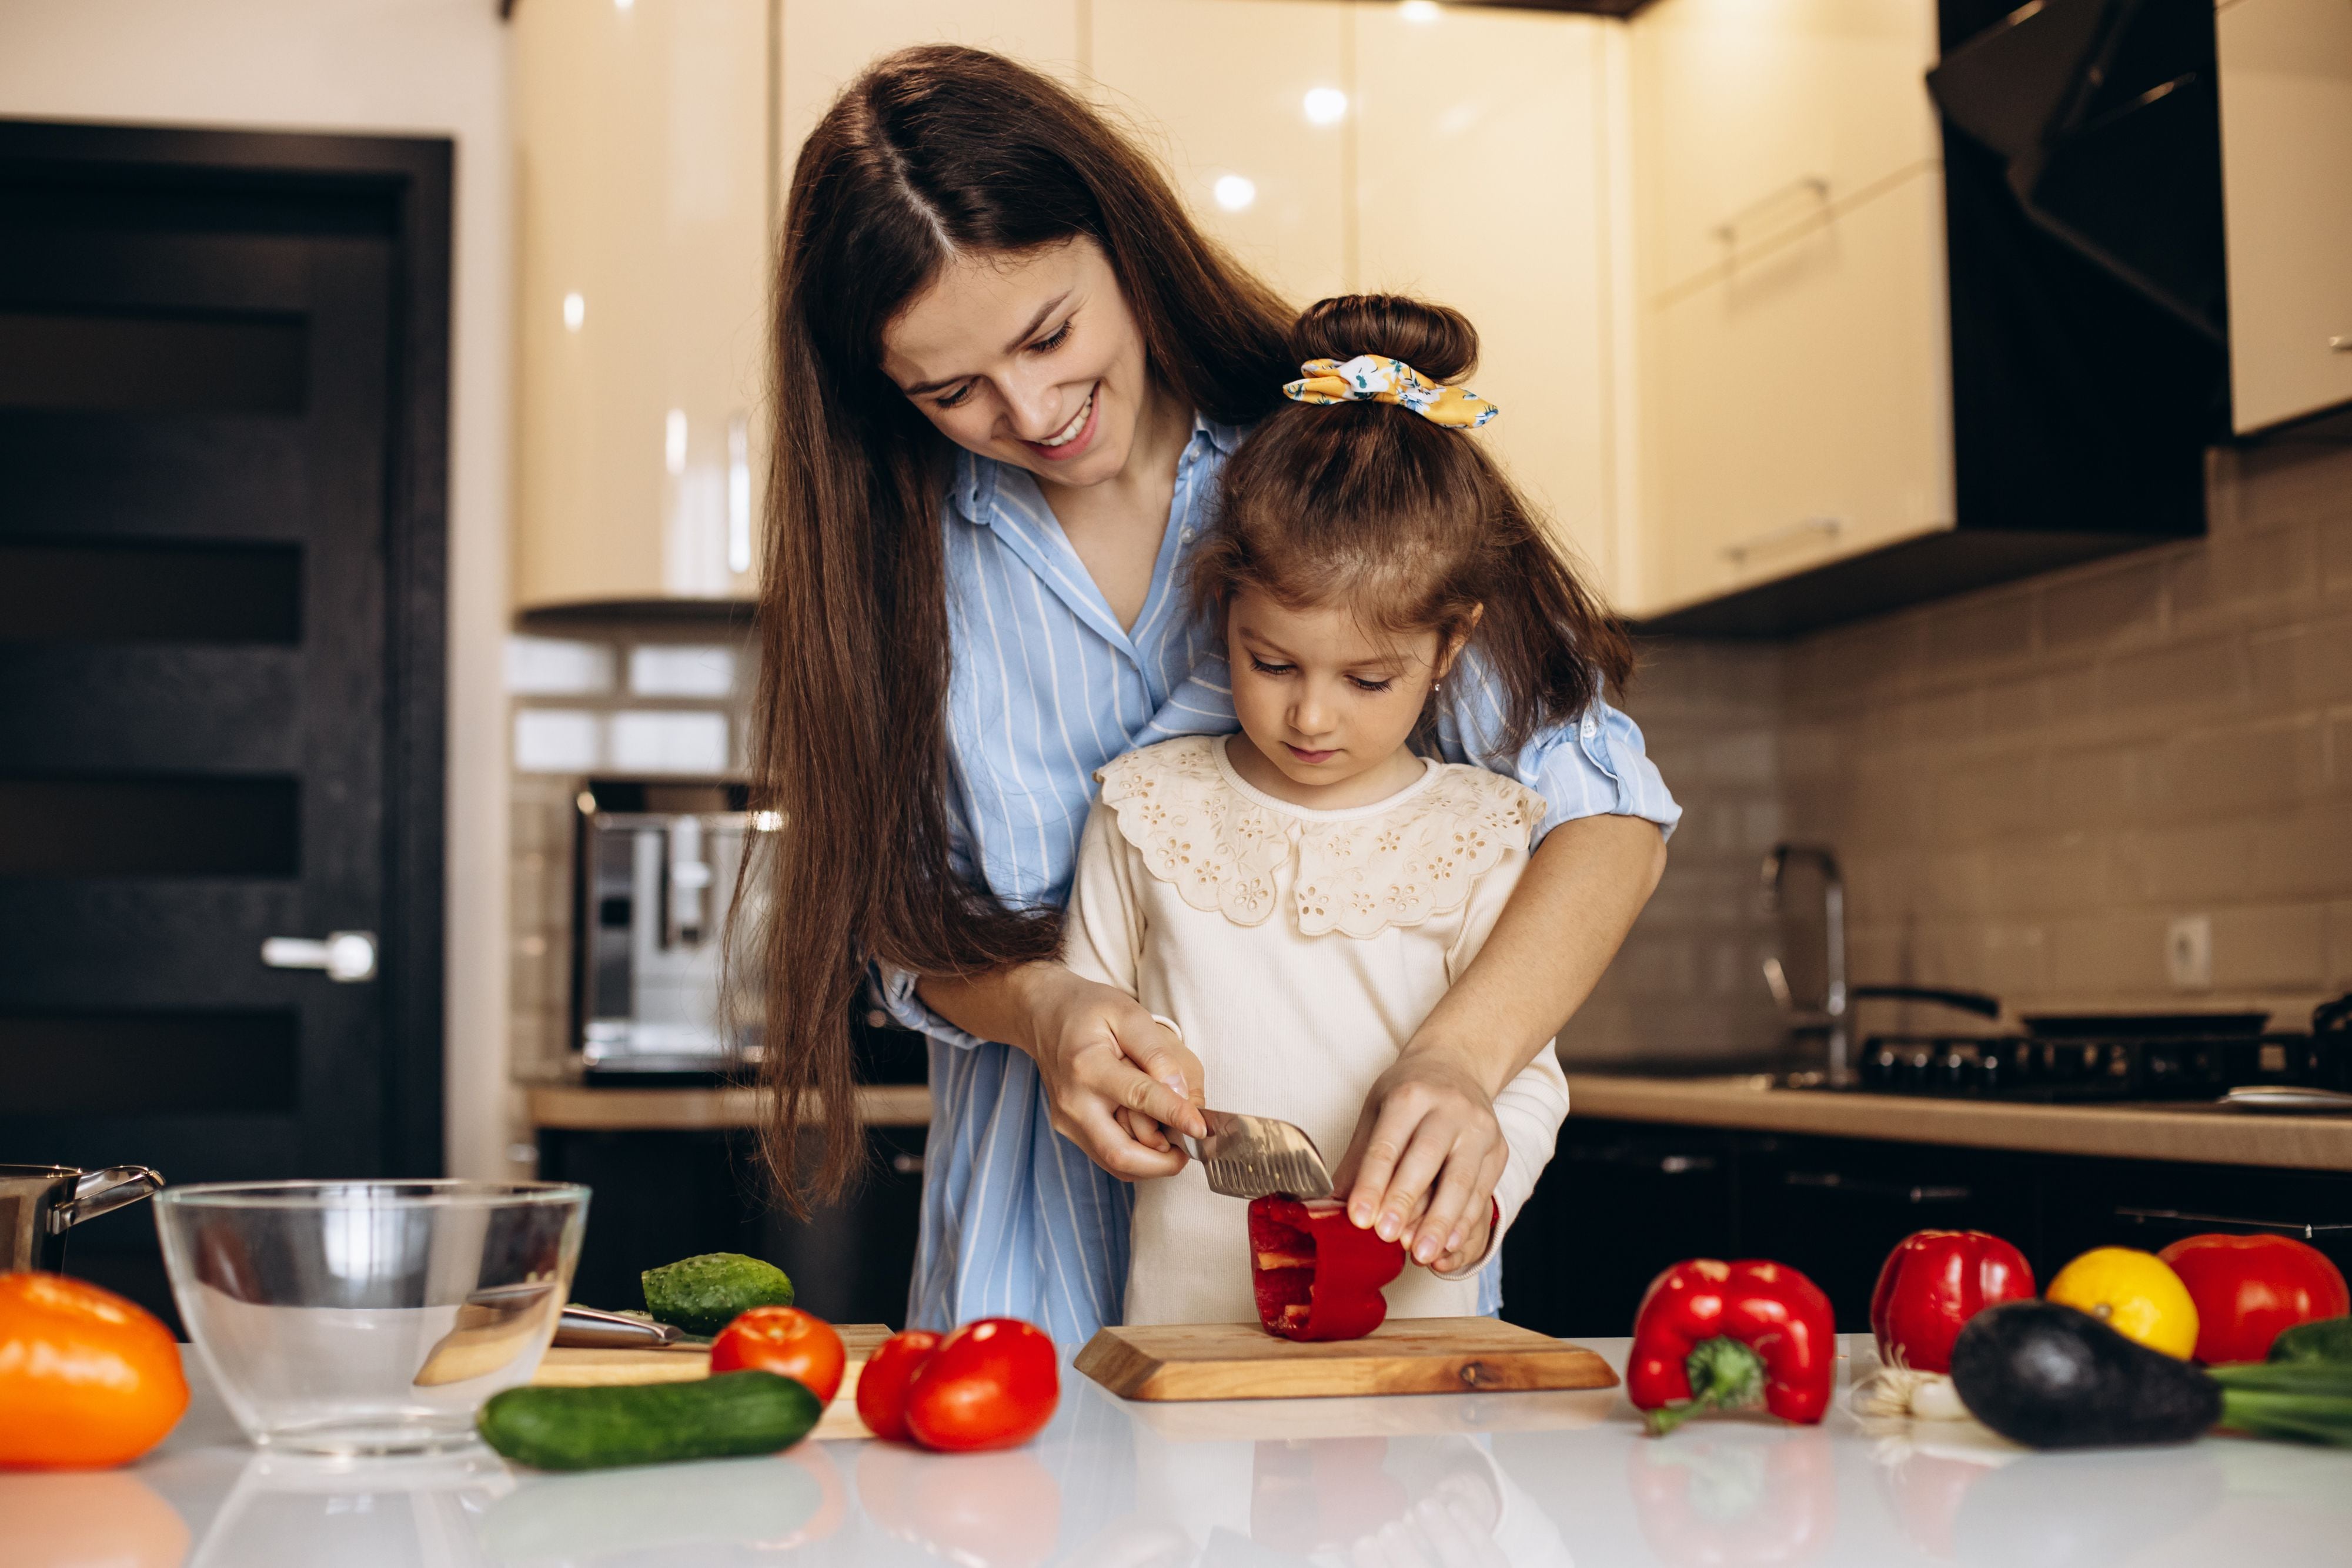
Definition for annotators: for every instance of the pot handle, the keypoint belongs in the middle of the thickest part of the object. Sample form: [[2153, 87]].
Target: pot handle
[[102, 1192]]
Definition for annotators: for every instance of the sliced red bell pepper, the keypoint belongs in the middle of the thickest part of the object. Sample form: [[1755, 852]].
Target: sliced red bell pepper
[[1711, 1335], [1317, 1276], [1936, 1281]]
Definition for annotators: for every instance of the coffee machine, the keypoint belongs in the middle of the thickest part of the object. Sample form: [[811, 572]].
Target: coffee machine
[[655, 871]]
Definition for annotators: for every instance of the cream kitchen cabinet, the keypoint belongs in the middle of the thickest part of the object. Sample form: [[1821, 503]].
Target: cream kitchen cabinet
[[1249, 103], [1755, 117], [1794, 346], [1798, 404], [2286, 170], [821, 46], [641, 137], [1482, 181]]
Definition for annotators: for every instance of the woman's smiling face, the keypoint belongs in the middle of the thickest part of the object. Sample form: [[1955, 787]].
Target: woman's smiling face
[[1034, 360]]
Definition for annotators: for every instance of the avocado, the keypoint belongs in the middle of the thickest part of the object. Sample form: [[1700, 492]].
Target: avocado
[[2051, 1377], [703, 1295]]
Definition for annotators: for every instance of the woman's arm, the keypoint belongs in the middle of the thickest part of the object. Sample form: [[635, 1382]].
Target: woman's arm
[[1433, 1110], [1086, 1038]]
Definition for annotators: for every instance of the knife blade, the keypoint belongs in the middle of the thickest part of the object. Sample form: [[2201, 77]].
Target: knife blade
[[1253, 1156]]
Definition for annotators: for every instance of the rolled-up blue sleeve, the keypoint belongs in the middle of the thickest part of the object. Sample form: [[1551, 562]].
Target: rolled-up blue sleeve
[[894, 992], [1594, 766]]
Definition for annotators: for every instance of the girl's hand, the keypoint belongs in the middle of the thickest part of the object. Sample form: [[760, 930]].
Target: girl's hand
[[1476, 1238], [1111, 1074], [1426, 1157]]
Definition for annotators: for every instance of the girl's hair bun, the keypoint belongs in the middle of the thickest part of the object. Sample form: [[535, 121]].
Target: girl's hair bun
[[1437, 341]]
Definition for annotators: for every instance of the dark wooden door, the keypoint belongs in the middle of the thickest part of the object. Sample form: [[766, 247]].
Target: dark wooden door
[[219, 657]]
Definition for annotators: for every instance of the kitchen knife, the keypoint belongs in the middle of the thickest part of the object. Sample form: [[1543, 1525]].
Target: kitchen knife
[[1252, 1156]]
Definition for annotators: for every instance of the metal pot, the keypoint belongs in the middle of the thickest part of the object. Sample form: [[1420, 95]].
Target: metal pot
[[38, 1204]]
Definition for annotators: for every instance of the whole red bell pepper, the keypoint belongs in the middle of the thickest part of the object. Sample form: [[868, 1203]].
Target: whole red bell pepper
[[1317, 1276], [1711, 1335], [2249, 1290], [1936, 1281]]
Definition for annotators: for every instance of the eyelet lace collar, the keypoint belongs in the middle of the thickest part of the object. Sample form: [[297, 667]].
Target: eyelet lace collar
[[1399, 862]]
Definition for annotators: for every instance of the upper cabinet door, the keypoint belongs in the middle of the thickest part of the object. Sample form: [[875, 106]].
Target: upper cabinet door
[[1248, 104], [823, 44], [1481, 183], [1753, 116], [641, 141], [2286, 170]]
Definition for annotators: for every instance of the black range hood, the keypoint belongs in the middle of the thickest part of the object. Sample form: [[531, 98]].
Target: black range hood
[[2090, 364]]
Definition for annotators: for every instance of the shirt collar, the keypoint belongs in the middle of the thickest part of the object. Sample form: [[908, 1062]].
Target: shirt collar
[[974, 493]]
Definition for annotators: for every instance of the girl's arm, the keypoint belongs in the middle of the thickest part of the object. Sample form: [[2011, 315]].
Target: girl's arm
[[1083, 1027], [1428, 1143]]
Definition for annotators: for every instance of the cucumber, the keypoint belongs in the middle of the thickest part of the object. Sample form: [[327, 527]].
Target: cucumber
[[648, 1423], [702, 1295], [2327, 1339]]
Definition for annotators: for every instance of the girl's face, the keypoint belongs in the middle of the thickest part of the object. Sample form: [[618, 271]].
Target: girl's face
[[1320, 698], [1034, 360]]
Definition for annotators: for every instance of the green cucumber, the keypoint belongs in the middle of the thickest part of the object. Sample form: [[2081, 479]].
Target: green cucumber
[[702, 1295], [2326, 1340], [650, 1423]]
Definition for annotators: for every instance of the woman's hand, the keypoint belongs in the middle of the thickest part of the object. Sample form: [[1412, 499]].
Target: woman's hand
[[1113, 1075], [1426, 1155]]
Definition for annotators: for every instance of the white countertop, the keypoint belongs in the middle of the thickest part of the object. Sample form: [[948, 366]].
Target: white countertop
[[1452, 1481]]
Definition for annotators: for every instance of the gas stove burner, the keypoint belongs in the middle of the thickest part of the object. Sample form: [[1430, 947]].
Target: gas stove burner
[[2118, 1067]]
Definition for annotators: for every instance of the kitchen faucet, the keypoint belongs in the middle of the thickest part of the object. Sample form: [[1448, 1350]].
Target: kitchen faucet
[[1831, 1016]]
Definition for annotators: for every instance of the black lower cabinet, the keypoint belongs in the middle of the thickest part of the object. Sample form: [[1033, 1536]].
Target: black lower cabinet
[[661, 1195], [1622, 1200]]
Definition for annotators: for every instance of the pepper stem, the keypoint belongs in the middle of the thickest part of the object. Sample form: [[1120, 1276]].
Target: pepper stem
[[1724, 1374]]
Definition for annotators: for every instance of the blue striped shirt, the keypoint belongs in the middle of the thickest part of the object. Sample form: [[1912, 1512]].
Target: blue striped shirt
[[1047, 686]]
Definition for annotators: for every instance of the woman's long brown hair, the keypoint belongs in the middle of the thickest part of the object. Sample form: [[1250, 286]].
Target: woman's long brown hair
[[1411, 523], [933, 151]]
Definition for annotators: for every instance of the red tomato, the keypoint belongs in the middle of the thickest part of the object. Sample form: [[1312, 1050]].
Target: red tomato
[[990, 1384], [2250, 1289], [882, 1387], [785, 1340]]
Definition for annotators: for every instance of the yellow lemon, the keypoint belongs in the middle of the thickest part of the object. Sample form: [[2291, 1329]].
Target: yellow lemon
[[2133, 1292]]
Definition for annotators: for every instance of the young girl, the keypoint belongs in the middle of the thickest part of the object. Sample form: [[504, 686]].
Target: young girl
[[1297, 897]]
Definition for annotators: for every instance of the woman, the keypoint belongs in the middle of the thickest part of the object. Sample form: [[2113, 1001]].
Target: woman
[[1009, 370]]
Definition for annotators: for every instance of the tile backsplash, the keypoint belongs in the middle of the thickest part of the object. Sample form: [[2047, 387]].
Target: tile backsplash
[[2027, 786]]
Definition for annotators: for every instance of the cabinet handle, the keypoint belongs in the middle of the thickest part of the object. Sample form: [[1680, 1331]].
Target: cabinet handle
[[1831, 1181], [2308, 1229], [1814, 185], [2341, 342], [1828, 527]]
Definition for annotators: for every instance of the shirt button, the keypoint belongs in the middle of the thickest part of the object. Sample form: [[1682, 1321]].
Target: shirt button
[[1186, 535]]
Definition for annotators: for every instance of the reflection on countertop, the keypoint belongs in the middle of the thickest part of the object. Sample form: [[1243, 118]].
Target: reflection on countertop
[[1523, 1480]]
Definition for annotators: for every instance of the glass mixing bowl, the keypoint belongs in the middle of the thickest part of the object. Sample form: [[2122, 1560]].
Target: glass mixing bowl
[[369, 1317]]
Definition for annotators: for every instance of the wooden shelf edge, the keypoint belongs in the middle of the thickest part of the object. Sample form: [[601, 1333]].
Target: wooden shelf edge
[[575, 1107]]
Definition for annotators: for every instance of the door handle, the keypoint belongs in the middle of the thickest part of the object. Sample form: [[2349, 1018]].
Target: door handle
[[347, 956]]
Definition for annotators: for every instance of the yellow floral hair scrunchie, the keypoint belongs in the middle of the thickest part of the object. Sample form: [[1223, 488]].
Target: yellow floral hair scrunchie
[[1376, 378]]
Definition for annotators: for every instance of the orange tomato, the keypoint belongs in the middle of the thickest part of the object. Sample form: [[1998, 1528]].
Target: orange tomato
[[87, 1379], [787, 1342], [103, 1518]]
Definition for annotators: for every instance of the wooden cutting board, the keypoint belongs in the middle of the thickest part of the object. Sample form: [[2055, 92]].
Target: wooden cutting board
[[1404, 1355], [564, 1368]]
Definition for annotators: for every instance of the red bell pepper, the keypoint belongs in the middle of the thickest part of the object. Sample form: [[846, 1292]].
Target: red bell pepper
[[1318, 1276], [1722, 1336], [2249, 1290], [1936, 1281]]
